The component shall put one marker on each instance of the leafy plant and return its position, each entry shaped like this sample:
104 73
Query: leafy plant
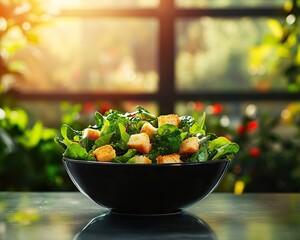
278 55
29 159
269 160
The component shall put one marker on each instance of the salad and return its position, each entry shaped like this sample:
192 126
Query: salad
141 137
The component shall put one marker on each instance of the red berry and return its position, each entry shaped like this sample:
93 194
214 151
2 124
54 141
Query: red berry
254 152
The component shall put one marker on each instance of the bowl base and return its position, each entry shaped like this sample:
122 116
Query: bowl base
117 212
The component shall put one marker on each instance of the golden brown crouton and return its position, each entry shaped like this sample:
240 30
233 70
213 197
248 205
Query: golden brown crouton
168 119
90 133
140 142
149 129
105 153
189 145
171 158
141 159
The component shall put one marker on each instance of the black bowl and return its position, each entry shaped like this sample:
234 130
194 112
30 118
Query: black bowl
176 226
145 188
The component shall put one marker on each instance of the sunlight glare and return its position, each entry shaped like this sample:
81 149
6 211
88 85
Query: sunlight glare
63 4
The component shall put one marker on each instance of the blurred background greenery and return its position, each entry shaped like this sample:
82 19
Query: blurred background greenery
51 54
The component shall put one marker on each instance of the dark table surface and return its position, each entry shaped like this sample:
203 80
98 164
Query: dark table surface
219 216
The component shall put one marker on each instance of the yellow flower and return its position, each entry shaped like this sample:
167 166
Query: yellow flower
239 187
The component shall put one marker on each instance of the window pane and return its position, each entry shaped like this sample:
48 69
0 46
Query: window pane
213 55
228 3
94 55
103 4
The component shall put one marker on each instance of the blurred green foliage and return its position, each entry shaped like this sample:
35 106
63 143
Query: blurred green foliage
269 159
29 160
279 53
17 21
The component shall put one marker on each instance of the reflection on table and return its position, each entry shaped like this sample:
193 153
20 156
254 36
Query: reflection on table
220 216
130 227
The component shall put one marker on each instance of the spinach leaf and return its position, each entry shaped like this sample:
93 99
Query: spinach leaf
99 120
123 137
167 140
154 153
113 131
221 147
226 151
135 126
138 118
200 156
198 128
87 143
186 122
145 114
103 140
218 142
128 155
75 151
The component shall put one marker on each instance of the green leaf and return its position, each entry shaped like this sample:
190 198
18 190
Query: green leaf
99 120
125 158
227 151
68 133
218 142
135 126
123 137
86 143
32 137
153 155
167 140
200 156
75 151
145 114
49 133
103 140
184 135
17 118
198 127
186 122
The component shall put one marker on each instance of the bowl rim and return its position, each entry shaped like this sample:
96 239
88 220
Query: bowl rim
142 164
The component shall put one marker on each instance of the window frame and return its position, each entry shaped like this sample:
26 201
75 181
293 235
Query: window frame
167 96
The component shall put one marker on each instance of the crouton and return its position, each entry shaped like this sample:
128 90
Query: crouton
140 142
189 146
171 158
90 133
105 153
149 129
140 159
168 119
